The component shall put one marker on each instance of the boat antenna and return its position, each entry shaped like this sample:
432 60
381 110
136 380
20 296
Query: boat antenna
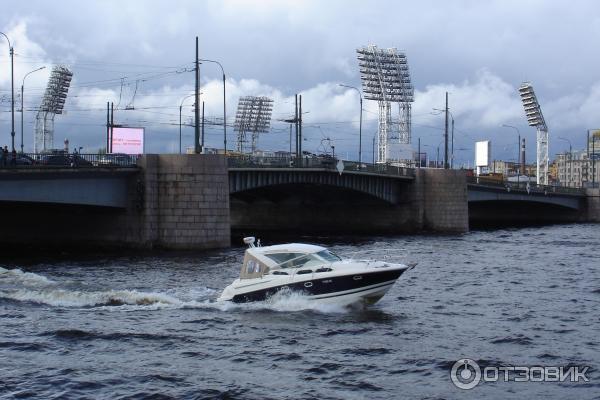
250 241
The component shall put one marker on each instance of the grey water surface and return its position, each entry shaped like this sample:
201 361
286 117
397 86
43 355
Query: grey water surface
147 326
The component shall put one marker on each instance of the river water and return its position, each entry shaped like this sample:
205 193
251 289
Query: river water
146 325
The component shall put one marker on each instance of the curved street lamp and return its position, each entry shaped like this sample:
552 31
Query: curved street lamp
22 93
12 89
224 105
180 107
360 124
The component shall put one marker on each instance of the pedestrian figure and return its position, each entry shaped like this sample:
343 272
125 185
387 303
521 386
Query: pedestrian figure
13 160
5 155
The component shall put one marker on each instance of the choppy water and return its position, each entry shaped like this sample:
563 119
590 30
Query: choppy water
146 326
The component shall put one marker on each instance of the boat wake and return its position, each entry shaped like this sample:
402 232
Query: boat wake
17 276
286 301
75 298
17 285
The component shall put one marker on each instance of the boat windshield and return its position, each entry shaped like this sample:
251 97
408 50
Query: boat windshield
294 260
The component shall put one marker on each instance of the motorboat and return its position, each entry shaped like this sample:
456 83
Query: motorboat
314 271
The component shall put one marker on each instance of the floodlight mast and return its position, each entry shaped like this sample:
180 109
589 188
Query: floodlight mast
253 116
534 115
52 104
385 77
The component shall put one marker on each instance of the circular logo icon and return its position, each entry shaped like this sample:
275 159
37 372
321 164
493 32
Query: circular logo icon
465 374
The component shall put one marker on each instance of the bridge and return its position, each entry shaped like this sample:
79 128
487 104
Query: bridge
379 181
512 203
194 201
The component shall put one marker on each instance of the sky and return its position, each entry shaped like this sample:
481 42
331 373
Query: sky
477 51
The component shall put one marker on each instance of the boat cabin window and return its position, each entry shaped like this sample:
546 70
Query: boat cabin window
328 256
252 268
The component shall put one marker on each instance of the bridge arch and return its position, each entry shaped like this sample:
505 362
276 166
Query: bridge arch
386 188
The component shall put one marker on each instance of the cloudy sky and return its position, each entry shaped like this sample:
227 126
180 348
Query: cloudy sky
478 51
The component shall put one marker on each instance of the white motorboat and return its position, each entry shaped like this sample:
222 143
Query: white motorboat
313 271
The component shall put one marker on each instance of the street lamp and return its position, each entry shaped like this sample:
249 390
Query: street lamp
12 90
180 107
570 159
360 123
224 105
22 93
519 172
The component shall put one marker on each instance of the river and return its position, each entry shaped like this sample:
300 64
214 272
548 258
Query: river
145 325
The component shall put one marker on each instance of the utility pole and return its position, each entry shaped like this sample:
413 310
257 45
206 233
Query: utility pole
419 153
373 149
452 151
296 124
112 122
587 170
202 147
300 128
197 148
594 160
446 136
107 125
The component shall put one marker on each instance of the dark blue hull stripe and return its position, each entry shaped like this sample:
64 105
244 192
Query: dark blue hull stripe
354 291
326 286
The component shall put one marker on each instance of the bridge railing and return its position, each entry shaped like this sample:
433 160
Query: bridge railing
61 159
528 187
328 163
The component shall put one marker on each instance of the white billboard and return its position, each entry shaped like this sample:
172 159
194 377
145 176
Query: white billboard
127 140
483 150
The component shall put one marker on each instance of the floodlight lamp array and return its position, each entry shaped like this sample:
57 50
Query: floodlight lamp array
385 75
533 111
253 114
56 91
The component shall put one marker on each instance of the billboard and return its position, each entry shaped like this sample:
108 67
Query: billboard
127 140
398 151
483 150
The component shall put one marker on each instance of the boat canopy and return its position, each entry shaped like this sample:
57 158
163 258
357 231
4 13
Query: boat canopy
260 260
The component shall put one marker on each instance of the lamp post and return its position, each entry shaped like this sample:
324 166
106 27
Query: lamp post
518 148
224 105
12 90
570 159
22 93
180 107
360 123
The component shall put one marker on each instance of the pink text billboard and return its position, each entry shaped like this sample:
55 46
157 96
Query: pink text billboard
128 140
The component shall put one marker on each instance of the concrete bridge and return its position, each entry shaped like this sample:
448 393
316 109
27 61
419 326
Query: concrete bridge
510 203
196 201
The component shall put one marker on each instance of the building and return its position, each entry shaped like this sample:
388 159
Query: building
579 169
511 168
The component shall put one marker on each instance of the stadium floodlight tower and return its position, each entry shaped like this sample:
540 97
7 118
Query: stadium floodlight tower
385 77
53 103
534 115
253 116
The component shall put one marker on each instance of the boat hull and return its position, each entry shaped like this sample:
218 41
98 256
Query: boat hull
367 288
